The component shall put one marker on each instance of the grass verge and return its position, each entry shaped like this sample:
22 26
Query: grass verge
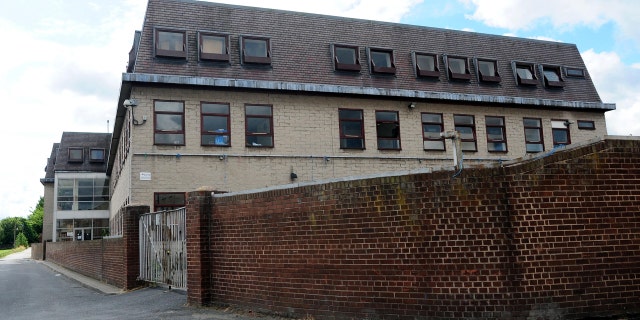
6 252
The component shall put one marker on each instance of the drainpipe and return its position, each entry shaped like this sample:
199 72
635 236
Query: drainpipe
457 148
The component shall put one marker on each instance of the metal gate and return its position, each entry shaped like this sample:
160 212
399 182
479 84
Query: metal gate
163 248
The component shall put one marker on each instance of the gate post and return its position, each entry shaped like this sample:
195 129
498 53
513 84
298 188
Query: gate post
199 264
131 240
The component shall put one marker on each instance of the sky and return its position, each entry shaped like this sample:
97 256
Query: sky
62 61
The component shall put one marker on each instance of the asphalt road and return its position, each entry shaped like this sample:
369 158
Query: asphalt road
31 290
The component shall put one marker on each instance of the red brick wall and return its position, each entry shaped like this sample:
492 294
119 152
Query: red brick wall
552 237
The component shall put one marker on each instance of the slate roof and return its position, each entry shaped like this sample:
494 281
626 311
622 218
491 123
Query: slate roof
49 176
84 140
301 54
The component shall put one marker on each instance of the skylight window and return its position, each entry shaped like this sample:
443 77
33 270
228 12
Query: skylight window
346 58
426 65
458 68
213 46
256 50
170 43
488 70
552 77
381 61
525 74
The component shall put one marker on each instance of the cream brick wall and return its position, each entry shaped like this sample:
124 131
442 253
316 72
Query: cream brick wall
47 219
305 131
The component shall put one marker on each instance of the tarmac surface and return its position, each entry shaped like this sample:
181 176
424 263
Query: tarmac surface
33 289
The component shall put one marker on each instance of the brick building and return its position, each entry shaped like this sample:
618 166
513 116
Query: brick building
240 98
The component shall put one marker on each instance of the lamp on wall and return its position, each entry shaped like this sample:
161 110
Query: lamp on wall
130 104
412 105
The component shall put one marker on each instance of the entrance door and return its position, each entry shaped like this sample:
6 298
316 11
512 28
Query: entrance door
82 234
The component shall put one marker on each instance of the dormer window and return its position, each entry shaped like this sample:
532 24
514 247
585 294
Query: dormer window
458 68
170 43
525 74
487 70
255 50
574 72
213 47
426 65
96 155
552 77
346 58
381 61
76 154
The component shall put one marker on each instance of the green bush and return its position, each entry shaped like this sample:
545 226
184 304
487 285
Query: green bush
21 240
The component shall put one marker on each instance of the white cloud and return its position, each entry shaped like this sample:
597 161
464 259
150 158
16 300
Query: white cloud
616 83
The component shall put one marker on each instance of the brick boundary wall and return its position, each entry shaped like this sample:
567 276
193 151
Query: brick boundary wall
550 238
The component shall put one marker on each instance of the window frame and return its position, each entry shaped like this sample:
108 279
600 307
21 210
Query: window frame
440 124
590 124
205 56
166 207
464 125
255 59
540 133
435 73
523 81
157 132
384 122
339 66
204 133
504 134
455 75
346 137
72 159
164 53
391 69
571 72
256 134
566 129
97 160
552 83
486 78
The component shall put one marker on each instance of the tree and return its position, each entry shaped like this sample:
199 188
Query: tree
21 240
36 216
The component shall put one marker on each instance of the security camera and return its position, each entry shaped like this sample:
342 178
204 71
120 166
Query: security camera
130 103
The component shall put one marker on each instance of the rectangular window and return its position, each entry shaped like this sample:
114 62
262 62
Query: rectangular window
466 126
171 43
76 154
574 72
83 194
533 135
351 129
552 77
214 47
496 134
488 70
381 61
560 132
346 58
458 68
388 130
426 65
525 74
168 200
96 155
586 125
259 125
432 126
168 122
215 124
255 50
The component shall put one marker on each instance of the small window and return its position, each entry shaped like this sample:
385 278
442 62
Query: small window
381 61
215 123
533 135
214 47
168 122
255 50
552 77
488 70
560 132
171 43
388 130
76 154
351 129
96 155
259 125
346 58
586 125
466 127
432 126
458 68
426 65
496 134
525 74
574 72
168 200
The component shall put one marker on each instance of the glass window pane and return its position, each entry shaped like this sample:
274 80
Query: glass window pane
388 144
214 124
345 55
167 138
352 143
425 62
457 65
497 146
170 40
169 122
560 137
351 128
255 47
468 145
487 68
559 124
494 121
531 122
350 114
214 44
551 75
465 132
260 141
97 154
381 59
75 154
386 116
532 135
524 73
431 117
534 147
258 125
495 133
388 130
432 131
463 120
169 106
433 145
215 108
258 110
